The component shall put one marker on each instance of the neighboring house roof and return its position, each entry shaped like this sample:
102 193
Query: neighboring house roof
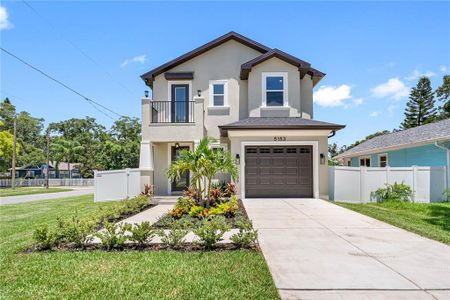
278 123
267 53
63 166
30 167
434 132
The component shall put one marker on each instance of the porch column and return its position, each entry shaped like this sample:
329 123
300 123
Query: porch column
146 164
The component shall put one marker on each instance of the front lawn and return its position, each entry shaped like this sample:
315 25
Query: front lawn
118 275
431 220
29 191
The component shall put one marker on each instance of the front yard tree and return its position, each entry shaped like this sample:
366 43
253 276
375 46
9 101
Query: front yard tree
443 95
420 107
69 151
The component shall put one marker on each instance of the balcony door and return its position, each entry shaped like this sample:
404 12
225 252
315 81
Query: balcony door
180 103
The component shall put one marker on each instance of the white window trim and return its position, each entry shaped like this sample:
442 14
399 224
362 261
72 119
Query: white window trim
172 82
225 93
387 159
365 157
285 88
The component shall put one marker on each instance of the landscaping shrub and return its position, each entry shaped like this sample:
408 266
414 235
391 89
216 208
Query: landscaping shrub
175 236
246 235
142 233
113 235
45 238
199 212
226 208
394 192
211 231
77 231
230 190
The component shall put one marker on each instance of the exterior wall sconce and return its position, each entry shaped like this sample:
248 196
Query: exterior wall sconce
177 145
322 158
199 93
238 159
146 94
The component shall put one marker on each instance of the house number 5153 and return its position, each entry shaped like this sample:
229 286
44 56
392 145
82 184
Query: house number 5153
279 138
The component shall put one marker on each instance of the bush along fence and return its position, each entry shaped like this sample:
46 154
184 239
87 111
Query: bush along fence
358 184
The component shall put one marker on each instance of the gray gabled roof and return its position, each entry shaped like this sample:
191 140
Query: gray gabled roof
266 52
438 131
278 123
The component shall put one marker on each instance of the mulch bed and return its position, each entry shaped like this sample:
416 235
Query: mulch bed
186 247
167 218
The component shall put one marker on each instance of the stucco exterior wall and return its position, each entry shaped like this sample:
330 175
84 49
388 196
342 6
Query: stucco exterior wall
221 63
161 161
322 140
306 97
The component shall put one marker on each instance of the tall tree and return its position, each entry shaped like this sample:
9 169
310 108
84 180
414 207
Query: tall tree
443 95
420 107
68 151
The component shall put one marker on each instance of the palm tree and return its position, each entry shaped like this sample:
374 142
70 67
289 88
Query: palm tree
69 151
203 163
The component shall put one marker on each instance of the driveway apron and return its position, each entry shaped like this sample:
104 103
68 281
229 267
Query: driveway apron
318 250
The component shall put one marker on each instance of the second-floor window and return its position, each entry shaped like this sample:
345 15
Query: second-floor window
218 93
275 89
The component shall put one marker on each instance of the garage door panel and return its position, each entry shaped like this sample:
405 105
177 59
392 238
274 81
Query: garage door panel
278 171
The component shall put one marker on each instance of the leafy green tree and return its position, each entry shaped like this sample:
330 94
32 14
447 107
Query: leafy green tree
6 148
127 134
370 136
443 95
68 151
420 107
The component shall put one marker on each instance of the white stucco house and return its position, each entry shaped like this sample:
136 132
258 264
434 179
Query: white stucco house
256 101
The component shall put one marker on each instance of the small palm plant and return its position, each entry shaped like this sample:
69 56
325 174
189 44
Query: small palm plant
204 164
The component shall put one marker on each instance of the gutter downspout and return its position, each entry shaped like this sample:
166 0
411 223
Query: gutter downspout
448 162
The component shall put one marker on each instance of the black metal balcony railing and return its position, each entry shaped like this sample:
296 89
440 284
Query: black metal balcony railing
172 111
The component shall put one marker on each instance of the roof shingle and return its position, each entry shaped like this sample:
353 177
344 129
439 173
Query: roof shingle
429 132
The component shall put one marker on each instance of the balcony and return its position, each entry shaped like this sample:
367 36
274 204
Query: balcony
172 111
172 121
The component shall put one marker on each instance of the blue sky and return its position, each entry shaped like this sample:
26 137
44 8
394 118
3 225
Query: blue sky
372 52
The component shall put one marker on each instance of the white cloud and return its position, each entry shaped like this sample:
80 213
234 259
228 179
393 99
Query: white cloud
391 108
416 74
358 101
393 88
374 114
4 21
137 59
331 96
444 69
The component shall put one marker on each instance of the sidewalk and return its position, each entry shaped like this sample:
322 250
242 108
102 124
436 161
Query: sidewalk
77 191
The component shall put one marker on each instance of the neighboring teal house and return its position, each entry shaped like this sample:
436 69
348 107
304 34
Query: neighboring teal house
426 145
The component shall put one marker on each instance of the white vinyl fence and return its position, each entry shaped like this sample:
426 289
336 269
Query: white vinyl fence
51 182
356 184
116 184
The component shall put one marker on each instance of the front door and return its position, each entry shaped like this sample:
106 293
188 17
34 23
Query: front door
180 103
183 182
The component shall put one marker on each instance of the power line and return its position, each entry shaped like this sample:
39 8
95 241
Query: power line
90 101
79 49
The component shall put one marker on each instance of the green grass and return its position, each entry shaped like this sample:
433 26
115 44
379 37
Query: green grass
118 275
431 220
29 191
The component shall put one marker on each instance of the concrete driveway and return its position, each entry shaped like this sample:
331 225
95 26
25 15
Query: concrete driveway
317 250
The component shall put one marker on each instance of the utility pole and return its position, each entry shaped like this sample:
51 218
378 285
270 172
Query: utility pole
48 162
13 169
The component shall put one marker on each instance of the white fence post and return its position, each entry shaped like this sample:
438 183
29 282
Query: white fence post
362 182
415 186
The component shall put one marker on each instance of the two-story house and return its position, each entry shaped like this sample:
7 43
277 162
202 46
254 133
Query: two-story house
255 100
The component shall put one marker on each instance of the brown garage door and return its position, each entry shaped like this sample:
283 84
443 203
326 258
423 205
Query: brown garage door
274 171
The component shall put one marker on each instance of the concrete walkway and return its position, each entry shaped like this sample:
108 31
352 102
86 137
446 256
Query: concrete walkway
317 250
77 191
